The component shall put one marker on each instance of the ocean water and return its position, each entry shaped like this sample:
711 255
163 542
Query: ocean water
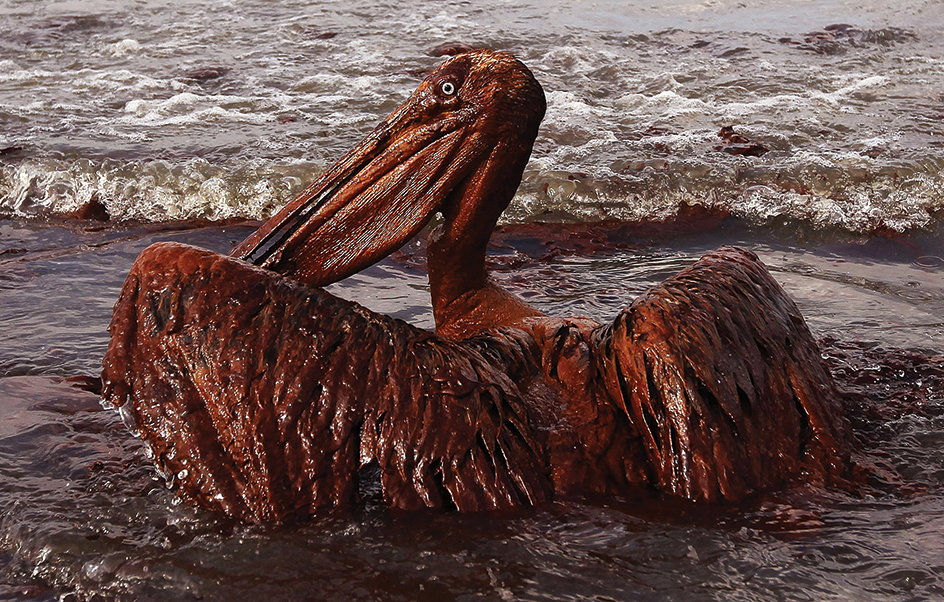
122 124
222 110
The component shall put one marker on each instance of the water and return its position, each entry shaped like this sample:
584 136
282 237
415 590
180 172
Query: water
223 110
196 111
85 514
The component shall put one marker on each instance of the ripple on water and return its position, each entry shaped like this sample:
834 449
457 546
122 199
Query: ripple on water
84 511
632 128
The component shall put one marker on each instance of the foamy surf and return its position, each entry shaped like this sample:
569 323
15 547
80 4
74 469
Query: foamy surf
160 118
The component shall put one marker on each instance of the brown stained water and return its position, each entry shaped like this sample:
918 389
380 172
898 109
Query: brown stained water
155 114
86 516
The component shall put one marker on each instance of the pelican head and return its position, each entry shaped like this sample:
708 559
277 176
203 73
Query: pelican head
457 146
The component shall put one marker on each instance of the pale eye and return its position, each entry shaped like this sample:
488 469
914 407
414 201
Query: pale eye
448 88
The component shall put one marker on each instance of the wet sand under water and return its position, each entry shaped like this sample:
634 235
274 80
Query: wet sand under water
83 512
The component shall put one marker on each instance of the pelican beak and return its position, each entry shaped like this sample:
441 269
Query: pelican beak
382 192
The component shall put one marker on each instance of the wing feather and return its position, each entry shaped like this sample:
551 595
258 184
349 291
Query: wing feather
723 382
264 398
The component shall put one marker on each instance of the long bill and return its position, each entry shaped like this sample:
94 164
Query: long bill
371 202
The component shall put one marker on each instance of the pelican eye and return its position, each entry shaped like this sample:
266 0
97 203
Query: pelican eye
448 88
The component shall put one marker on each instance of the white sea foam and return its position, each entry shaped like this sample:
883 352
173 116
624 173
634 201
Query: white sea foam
124 80
871 81
631 130
153 190
848 191
665 104
123 47
187 108
26 75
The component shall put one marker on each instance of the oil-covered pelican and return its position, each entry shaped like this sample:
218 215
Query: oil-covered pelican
265 396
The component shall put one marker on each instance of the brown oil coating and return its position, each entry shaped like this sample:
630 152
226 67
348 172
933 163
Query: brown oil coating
265 395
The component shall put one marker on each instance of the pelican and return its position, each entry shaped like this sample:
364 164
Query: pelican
266 397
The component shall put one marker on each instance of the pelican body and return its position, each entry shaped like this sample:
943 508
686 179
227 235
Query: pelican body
266 396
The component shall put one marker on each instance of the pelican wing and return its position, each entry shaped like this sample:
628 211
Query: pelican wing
264 398
722 382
